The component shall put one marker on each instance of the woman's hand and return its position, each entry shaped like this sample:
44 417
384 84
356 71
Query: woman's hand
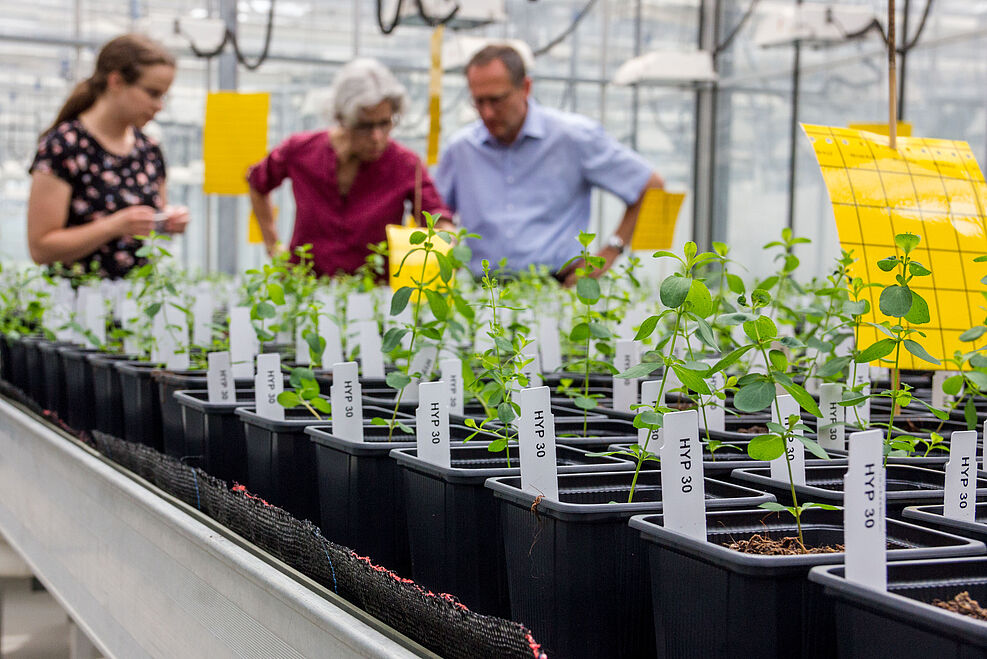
133 221
176 220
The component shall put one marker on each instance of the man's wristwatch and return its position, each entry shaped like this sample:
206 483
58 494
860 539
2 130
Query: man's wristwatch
617 243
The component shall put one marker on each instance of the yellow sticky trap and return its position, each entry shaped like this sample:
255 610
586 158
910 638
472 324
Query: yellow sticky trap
904 128
254 235
656 220
435 97
234 137
398 245
931 188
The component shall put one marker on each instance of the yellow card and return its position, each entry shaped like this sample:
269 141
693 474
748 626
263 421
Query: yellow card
234 137
398 245
435 97
904 128
932 188
656 221
254 236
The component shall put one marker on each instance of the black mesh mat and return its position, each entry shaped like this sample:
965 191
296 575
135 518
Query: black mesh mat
437 621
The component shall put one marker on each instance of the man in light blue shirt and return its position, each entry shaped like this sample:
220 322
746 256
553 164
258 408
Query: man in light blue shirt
521 177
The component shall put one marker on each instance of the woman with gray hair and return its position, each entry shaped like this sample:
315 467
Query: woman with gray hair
350 181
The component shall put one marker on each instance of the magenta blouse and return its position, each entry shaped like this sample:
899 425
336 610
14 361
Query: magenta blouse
338 227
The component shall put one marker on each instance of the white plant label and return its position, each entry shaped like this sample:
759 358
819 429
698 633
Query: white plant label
219 378
795 449
371 357
536 443
243 342
346 395
302 356
549 344
859 374
683 491
533 369
177 323
878 373
432 428
333 352
451 372
268 383
713 415
649 396
95 315
939 397
202 311
833 437
423 362
960 496
626 355
128 317
864 529
359 306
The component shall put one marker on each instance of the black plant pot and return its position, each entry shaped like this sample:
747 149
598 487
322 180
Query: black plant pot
53 376
901 623
80 408
723 461
141 403
7 360
904 485
932 517
577 574
107 392
214 431
451 516
33 375
281 461
361 501
764 605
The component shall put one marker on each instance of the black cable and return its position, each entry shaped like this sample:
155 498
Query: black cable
918 33
565 33
431 21
251 66
387 29
743 19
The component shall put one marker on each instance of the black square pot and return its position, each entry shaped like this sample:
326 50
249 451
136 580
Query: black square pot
577 574
932 517
904 485
901 623
80 410
214 431
141 403
33 375
53 376
712 601
107 392
454 521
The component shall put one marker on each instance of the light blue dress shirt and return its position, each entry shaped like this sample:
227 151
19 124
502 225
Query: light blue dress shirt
530 199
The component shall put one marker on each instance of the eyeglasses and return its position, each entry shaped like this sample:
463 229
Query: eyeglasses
368 127
492 101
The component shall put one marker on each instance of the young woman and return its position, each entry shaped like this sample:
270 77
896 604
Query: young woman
349 182
97 181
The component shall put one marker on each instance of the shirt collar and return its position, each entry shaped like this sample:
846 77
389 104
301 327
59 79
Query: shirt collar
534 126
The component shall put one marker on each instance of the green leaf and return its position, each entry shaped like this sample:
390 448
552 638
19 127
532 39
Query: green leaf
916 269
896 301
289 399
691 379
812 446
735 284
400 299
579 333
316 344
674 290
919 313
648 418
821 506
505 413
299 376
802 397
321 404
705 333
857 307
700 299
916 349
778 360
973 333
445 267
417 238
397 380
907 241
497 445
754 397
882 348
766 447
437 303
153 309
584 403
265 310
833 367
276 292
777 507
888 264
766 327
392 338
647 328
970 414
599 331
952 384
978 378
588 290
978 361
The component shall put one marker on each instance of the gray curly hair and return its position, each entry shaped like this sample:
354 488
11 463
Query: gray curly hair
364 83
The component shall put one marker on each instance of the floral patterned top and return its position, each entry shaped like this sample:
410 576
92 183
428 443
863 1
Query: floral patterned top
103 183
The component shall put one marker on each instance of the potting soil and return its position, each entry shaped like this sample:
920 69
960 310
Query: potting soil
964 605
437 621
